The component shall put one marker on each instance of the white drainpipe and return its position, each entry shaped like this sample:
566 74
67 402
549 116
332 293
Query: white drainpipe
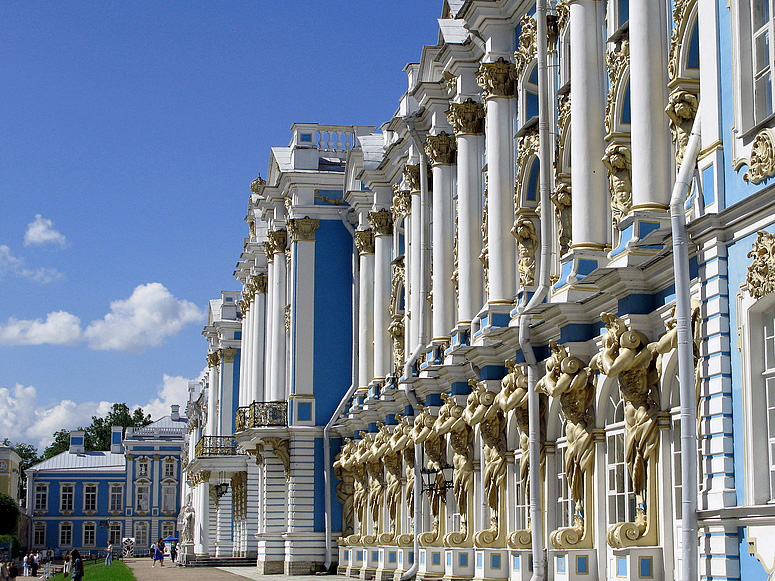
327 466
686 379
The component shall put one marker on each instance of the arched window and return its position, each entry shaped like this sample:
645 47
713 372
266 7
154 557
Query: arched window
621 499
565 506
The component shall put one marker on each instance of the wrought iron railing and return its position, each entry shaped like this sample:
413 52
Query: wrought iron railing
261 414
216 446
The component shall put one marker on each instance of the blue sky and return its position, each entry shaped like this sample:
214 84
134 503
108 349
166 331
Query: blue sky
129 135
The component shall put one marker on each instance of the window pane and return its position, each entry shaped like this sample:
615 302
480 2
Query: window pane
761 46
760 12
763 96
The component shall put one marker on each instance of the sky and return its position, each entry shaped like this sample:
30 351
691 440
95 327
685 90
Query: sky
129 135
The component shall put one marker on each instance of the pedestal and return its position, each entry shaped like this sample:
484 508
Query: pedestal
186 551
491 564
344 560
370 563
405 561
458 564
491 320
354 558
388 563
636 563
573 564
520 565
431 563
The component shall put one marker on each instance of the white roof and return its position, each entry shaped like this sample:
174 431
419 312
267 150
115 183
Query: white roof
85 461
453 31
282 156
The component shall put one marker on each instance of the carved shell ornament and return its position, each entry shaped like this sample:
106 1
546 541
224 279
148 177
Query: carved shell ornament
761 272
761 163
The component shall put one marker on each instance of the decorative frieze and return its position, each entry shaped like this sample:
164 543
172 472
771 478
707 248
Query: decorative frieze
498 79
364 241
466 118
761 272
302 229
526 50
761 162
681 110
381 222
441 149
618 160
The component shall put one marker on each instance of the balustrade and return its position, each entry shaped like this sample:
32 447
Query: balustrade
262 414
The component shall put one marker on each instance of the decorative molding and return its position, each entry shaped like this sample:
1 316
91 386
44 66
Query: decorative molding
256 186
484 255
617 59
466 118
396 326
681 110
213 359
618 160
364 241
561 198
381 222
527 147
498 79
760 279
563 13
332 201
268 251
761 162
563 126
302 229
402 202
527 243
278 240
281 450
441 149
681 11
527 48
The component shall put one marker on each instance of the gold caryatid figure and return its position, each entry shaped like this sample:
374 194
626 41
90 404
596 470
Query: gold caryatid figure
568 379
435 451
345 488
626 356
374 468
461 437
398 448
352 463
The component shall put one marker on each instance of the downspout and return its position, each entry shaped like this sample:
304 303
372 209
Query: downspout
327 466
686 379
545 176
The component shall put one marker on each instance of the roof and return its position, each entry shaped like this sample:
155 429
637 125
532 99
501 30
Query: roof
166 422
282 156
86 461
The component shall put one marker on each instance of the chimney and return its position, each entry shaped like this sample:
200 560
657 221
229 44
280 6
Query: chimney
77 445
175 415
116 440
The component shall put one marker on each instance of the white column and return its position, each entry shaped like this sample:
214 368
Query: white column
364 240
213 390
382 225
278 347
587 105
269 323
227 411
651 142
244 366
202 531
257 339
467 119
413 274
497 80
441 154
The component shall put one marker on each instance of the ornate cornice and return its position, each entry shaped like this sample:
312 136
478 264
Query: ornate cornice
402 202
381 222
761 272
526 51
278 240
213 359
498 79
441 149
364 241
302 229
466 118
761 162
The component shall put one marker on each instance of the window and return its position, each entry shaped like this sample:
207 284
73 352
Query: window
90 497
141 535
39 534
41 497
89 534
167 529
762 57
168 498
621 499
116 498
115 533
66 534
520 498
769 381
67 492
142 469
565 506
143 497
169 469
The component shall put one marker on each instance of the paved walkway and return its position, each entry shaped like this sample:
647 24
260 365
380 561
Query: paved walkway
143 571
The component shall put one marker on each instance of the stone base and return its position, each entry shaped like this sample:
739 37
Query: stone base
302 567
491 321
431 563
458 564
388 563
491 564
405 561
270 567
354 558
636 563
370 563
520 564
573 564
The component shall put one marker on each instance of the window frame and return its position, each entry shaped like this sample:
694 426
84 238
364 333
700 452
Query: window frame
115 531
116 491
615 432
168 490
145 487
66 496
89 528
64 526
41 490
39 527
90 497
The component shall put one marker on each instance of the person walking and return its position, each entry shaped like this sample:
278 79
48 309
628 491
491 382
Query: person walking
13 571
173 551
109 556
76 566
34 562
26 565
158 553
66 564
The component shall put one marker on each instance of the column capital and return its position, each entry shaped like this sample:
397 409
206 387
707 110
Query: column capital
213 359
466 118
381 222
441 149
498 79
402 202
278 240
364 241
302 229
228 354
259 284
268 251
412 176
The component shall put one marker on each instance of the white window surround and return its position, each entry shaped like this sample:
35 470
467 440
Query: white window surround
66 496
115 533
89 534
41 496
141 535
39 534
90 497
143 496
143 468
65 534
116 498
169 469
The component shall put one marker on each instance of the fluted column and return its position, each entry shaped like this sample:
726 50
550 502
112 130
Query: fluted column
226 411
278 360
214 386
587 105
651 142
441 151
382 225
467 120
413 274
257 342
245 375
498 82
364 240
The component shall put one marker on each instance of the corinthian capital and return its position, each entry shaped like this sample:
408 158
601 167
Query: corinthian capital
412 176
364 241
441 149
381 222
277 241
259 284
466 118
302 228
213 359
498 79
402 202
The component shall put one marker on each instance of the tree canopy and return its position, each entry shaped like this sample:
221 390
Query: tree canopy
9 515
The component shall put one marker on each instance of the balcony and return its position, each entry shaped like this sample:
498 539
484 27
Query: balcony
216 446
262 414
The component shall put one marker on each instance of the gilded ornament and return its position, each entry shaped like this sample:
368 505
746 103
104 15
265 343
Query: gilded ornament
213 359
681 110
364 241
228 354
527 147
498 79
402 202
287 318
412 176
381 222
563 13
561 198
302 229
618 160
281 451
526 50
269 251
252 228
277 241
259 284
681 11
441 149
396 327
760 279
332 201
761 163
435 447
484 255
617 59
563 124
527 243
345 487
466 118
257 184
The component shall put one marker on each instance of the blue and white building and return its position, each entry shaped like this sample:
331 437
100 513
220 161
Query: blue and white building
80 500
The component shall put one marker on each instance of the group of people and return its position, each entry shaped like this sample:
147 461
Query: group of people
157 551
73 567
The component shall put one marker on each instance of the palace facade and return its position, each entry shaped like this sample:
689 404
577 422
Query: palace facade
525 329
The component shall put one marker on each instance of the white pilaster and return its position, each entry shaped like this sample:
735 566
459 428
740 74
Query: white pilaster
227 411
277 391
212 397
364 239
202 529
382 225
257 341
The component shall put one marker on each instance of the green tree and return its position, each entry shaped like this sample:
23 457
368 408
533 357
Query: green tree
29 457
9 515
60 444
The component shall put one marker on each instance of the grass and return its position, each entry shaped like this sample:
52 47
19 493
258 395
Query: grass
118 571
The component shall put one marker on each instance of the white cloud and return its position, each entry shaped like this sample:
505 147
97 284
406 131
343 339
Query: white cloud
59 328
41 231
143 320
172 391
14 266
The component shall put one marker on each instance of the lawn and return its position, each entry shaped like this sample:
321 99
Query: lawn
99 572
